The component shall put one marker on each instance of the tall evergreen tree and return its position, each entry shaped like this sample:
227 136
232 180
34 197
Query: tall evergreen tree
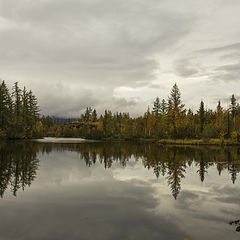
33 107
17 101
5 107
233 105
219 108
233 110
202 117
175 109
94 115
163 107
157 107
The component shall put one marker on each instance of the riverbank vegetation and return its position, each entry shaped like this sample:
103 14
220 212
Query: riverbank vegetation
167 121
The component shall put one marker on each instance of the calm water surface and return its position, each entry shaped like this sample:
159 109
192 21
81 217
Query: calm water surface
104 191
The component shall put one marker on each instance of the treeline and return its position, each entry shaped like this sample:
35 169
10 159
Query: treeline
19 113
167 119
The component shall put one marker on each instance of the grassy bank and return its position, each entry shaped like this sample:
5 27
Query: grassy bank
220 142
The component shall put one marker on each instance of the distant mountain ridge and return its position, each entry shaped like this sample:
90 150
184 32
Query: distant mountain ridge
64 119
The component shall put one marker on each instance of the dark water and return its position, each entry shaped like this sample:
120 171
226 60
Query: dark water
118 191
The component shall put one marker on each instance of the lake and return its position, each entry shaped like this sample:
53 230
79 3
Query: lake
100 190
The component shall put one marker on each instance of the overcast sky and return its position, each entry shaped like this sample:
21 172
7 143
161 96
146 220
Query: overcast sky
120 54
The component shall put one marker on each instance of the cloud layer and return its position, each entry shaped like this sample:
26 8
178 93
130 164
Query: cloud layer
119 54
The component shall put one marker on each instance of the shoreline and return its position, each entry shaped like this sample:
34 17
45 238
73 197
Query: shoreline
198 142
177 142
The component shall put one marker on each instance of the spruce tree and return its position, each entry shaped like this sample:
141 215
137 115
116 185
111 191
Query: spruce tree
175 109
17 102
163 107
94 115
33 107
219 108
233 106
5 107
201 114
233 109
17 129
25 109
157 107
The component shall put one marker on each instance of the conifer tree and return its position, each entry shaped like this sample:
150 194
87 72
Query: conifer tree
233 106
175 109
17 102
5 107
201 113
157 107
163 107
219 108
33 107
233 109
94 115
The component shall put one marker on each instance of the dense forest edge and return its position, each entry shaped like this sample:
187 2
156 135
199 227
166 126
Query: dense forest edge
166 122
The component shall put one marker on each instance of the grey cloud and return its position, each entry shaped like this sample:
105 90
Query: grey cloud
185 68
156 86
101 45
234 56
231 67
227 73
109 34
230 47
122 102
107 43
67 105
228 67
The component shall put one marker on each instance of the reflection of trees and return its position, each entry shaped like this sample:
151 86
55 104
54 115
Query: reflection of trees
232 166
203 166
18 161
170 161
18 165
176 169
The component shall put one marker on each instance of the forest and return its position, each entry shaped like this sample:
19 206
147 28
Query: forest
19 113
166 119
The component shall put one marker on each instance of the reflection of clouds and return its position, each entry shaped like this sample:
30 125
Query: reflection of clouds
228 195
189 200
133 171
63 168
94 210
204 209
70 200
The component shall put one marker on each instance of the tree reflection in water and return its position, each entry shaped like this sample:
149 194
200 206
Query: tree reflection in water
18 165
19 162
170 162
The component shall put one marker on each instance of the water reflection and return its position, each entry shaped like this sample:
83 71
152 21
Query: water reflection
118 191
19 163
170 162
18 166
